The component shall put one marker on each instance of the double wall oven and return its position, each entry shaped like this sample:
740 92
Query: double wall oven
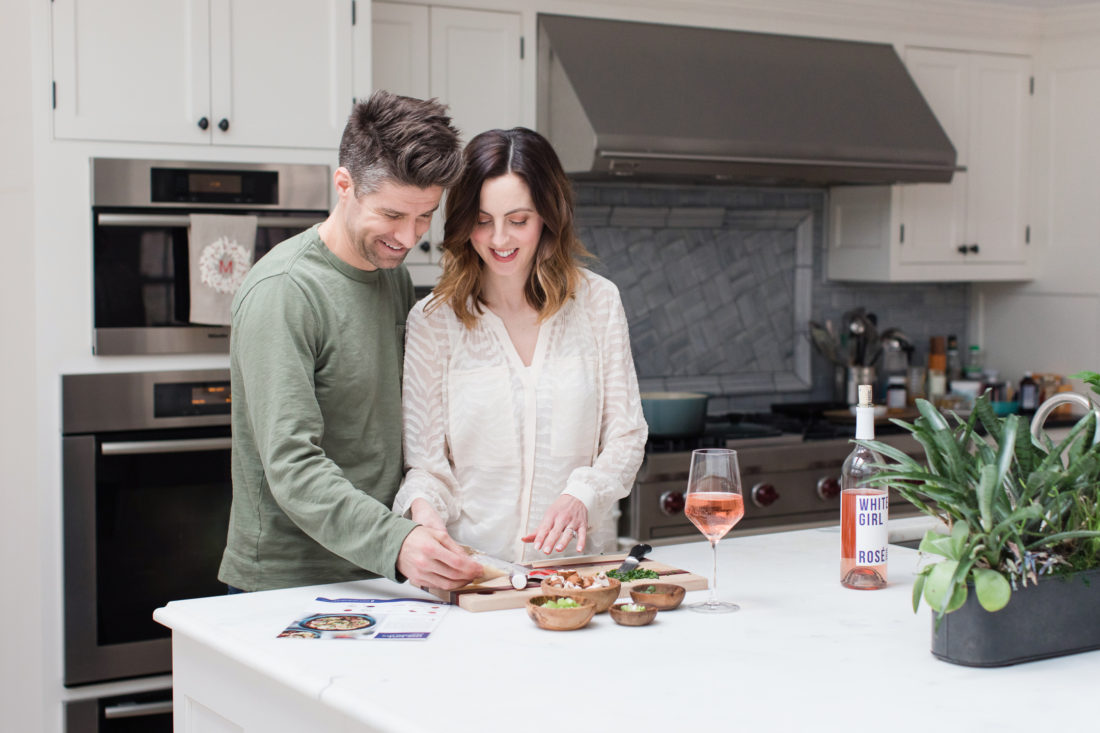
146 496
140 217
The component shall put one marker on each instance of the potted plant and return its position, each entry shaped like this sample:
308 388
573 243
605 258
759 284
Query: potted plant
1018 574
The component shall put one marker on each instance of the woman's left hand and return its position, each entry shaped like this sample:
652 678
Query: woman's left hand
566 518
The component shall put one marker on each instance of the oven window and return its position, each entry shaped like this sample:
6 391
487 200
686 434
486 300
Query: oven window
161 521
142 273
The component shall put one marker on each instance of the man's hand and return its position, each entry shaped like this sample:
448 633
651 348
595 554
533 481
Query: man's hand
424 513
566 518
429 558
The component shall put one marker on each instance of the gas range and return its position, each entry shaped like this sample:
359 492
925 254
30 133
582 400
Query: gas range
790 462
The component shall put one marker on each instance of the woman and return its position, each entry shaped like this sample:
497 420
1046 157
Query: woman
522 417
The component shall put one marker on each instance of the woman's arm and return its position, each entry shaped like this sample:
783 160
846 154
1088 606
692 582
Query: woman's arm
429 491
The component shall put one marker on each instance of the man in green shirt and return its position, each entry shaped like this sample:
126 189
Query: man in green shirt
315 364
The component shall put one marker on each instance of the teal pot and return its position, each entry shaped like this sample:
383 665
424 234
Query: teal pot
1058 616
675 414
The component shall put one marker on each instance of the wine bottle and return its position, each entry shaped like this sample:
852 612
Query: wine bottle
864 508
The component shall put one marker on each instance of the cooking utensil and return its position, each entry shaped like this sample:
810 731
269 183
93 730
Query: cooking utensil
675 414
825 343
637 554
517 574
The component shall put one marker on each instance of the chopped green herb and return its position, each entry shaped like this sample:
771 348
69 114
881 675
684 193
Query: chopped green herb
648 589
635 574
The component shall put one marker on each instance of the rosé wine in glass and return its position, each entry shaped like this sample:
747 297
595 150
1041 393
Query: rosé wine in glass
714 504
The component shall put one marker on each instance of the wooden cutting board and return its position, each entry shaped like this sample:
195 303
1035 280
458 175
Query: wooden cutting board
499 594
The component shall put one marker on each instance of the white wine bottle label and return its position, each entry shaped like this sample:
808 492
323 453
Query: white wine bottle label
872 536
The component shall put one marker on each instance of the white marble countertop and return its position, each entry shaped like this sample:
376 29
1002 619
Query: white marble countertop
803 653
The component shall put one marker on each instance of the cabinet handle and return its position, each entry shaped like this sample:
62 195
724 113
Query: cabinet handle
973 249
425 246
203 123
962 249
223 124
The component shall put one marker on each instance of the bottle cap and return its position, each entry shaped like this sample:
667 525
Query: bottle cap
865 395
937 345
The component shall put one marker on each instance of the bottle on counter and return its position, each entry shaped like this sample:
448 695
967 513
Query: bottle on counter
896 394
954 361
1028 395
863 508
974 363
937 370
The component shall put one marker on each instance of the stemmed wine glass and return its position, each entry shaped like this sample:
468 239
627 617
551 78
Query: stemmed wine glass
714 505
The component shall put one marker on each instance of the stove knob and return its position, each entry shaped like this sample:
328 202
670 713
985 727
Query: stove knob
764 495
828 488
672 502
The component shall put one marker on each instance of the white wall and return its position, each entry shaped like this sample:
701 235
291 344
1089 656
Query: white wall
21 664
1053 323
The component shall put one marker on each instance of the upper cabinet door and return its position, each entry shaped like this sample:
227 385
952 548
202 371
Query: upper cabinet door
475 67
934 213
131 70
997 211
280 72
399 50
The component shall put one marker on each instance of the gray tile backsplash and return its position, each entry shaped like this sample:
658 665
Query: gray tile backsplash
719 282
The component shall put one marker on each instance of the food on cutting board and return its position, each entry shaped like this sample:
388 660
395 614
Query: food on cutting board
572 580
635 574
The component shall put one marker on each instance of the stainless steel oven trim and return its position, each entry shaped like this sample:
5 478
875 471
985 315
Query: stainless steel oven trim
105 402
154 340
127 182
137 709
138 447
183 220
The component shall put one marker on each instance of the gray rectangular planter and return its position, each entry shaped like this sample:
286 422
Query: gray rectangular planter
1060 615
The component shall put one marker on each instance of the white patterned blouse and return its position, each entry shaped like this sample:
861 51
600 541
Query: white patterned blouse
490 443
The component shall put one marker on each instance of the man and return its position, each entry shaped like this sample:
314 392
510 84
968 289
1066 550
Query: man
315 362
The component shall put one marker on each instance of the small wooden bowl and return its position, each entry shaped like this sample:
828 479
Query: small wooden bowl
603 597
633 618
665 596
560 619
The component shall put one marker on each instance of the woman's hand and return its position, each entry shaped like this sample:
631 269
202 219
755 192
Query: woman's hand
424 513
566 518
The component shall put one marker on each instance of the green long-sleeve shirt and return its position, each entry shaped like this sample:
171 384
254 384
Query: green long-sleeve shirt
315 362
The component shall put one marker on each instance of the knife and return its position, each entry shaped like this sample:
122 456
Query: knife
637 554
516 573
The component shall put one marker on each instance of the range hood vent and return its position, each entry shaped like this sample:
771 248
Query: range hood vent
648 101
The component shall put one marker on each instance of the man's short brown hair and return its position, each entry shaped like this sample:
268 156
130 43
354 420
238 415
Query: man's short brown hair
401 139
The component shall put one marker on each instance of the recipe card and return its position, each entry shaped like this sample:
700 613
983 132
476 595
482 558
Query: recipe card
367 618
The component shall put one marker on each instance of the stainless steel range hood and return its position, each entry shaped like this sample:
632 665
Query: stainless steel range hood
651 101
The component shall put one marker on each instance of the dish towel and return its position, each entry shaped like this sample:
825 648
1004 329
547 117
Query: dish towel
221 249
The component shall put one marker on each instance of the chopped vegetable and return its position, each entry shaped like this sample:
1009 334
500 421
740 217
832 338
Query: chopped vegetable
561 603
648 589
632 607
635 574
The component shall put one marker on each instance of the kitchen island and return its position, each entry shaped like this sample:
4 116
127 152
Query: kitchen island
803 653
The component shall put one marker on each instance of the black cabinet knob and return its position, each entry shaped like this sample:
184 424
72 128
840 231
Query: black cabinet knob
223 124
973 249
203 123
425 246
962 249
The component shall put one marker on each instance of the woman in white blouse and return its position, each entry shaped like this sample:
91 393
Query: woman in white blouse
522 422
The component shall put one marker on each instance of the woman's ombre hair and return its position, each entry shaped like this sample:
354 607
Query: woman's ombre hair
555 269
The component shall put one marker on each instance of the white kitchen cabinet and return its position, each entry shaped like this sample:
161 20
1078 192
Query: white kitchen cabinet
974 228
263 73
468 59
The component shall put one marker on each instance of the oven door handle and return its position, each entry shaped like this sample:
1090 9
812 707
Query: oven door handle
135 447
137 709
177 220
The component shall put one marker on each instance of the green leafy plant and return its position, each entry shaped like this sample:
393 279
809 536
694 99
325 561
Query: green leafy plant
1015 509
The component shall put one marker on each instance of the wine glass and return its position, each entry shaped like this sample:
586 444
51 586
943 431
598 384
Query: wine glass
714 505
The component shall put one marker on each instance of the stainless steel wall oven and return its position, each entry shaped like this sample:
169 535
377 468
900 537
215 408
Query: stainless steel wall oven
146 495
140 219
